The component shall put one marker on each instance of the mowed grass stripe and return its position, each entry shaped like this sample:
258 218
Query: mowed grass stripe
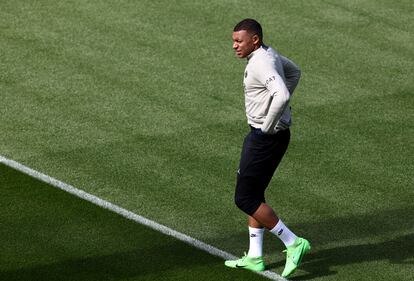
34 194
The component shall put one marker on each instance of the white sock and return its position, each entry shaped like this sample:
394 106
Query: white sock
256 242
284 233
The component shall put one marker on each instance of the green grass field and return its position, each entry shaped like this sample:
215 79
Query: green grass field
52 235
140 103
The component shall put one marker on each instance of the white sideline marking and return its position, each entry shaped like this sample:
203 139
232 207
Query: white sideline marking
129 215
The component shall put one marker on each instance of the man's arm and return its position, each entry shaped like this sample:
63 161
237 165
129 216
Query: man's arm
292 73
280 99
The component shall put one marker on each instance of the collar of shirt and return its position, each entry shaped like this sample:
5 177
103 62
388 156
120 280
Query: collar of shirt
254 52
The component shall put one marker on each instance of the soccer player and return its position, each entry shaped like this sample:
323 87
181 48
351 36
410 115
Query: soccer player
269 82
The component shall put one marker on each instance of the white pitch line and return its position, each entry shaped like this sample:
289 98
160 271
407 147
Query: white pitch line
129 215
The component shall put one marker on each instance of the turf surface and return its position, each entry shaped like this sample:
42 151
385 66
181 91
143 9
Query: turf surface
48 234
141 103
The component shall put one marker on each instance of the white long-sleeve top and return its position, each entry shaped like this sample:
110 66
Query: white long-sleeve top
269 82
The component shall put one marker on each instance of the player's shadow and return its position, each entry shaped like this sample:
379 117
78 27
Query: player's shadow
334 241
399 250
393 223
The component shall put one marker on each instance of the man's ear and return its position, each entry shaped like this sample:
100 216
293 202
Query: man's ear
256 39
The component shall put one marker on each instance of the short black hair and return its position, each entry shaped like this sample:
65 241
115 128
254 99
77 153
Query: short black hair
251 26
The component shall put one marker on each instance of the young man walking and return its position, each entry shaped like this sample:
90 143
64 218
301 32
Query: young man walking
269 82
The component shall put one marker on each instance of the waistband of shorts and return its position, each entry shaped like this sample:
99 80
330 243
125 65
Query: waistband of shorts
257 131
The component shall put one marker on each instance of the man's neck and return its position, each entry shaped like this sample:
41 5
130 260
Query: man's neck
249 56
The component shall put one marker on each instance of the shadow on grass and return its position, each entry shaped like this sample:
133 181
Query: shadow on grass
48 234
174 261
399 249
162 261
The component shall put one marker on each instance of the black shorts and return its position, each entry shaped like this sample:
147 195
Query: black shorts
261 154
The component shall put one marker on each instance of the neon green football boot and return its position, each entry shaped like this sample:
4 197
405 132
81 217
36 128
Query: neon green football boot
254 264
294 255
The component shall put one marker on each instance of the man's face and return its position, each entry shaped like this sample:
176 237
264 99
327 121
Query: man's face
244 43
